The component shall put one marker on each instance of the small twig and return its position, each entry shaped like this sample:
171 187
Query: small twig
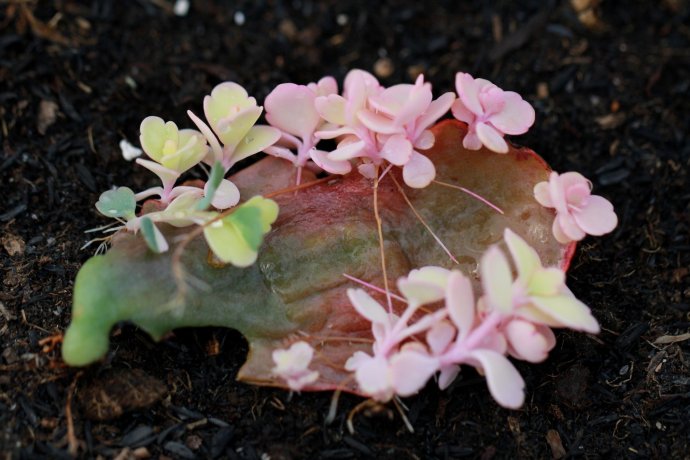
333 408
299 187
72 441
336 338
385 171
26 321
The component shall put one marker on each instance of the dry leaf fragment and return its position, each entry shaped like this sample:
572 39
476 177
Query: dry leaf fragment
13 244
666 339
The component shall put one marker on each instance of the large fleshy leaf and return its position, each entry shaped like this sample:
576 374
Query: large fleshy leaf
296 290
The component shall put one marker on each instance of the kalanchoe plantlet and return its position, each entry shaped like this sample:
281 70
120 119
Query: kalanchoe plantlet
173 152
489 112
291 108
292 365
578 212
383 126
512 317
234 238
232 114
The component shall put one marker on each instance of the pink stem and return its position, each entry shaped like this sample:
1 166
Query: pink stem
299 177
458 352
385 171
393 337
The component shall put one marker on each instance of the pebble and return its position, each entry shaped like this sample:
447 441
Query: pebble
179 450
47 114
220 441
383 67
181 7
137 435
614 177
239 18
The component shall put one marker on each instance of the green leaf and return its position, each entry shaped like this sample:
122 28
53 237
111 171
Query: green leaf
228 244
214 179
247 221
236 238
119 202
152 236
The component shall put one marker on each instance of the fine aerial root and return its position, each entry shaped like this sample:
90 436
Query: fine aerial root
364 405
381 290
379 228
333 408
472 194
374 288
401 410
421 219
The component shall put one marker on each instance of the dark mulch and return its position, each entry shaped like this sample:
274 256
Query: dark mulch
612 101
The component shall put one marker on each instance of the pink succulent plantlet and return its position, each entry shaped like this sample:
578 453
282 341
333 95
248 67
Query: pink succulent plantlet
384 373
490 113
514 317
477 345
439 338
538 294
291 108
578 212
340 112
379 124
373 375
411 368
292 365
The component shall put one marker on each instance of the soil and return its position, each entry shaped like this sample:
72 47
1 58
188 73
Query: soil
609 83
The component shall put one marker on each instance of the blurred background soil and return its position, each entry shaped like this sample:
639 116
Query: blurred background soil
609 81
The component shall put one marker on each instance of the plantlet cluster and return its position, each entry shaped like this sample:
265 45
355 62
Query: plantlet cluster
438 319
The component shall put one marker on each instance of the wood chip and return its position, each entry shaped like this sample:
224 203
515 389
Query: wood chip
555 443
383 68
611 121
